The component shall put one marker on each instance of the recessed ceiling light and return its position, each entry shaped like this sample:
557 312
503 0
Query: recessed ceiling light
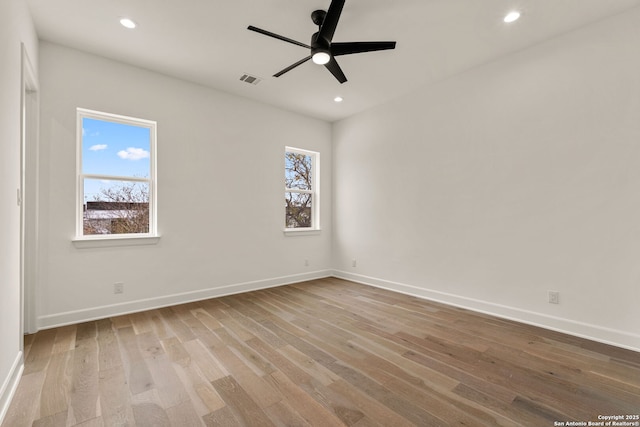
512 16
338 99
127 23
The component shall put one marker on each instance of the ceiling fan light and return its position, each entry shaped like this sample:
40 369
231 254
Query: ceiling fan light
321 58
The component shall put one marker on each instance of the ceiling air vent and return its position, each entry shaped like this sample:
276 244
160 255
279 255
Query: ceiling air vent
248 78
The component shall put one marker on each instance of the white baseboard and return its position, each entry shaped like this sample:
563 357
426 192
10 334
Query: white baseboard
101 312
10 385
592 332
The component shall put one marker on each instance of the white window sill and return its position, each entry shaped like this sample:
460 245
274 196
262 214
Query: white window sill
301 231
111 241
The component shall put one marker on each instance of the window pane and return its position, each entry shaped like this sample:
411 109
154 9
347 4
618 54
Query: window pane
115 207
297 171
115 149
298 210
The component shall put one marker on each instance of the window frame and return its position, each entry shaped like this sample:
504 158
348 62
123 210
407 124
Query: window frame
314 192
85 240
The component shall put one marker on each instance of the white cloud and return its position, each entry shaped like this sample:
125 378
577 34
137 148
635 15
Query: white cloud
98 147
85 133
133 154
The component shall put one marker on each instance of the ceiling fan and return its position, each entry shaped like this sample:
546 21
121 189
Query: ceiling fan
323 49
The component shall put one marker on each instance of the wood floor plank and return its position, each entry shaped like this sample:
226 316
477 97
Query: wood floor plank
305 405
184 414
65 339
221 417
380 414
57 385
412 412
148 411
94 422
439 400
283 364
251 358
283 318
566 376
216 308
25 407
85 395
193 323
202 394
616 384
253 323
115 398
208 365
283 415
253 384
303 346
86 331
121 321
141 322
160 327
176 325
148 414
244 408
518 414
108 349
339 404
322 353
391 361
150 345
175 350
169 386
55 420
199 330
40 351
307 383
206 319
235 328
138 375
310 366
28 341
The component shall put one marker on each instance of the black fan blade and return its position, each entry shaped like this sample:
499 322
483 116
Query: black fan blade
359 47
292 66
277 36
335 69
330 23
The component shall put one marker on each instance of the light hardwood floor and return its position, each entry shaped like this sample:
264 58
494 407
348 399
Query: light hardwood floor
321 353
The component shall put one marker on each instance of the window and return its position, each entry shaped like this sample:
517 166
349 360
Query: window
116 189
301 189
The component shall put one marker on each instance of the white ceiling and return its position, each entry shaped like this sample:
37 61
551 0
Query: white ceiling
206 41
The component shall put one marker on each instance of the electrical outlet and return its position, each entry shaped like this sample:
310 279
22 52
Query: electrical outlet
118 288
306 263
554 297
354 263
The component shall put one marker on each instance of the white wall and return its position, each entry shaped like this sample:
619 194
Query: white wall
220 192
502 183
16 27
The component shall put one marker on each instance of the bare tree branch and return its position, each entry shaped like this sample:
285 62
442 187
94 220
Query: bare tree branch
118 209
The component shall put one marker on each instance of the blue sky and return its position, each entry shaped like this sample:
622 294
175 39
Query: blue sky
115 149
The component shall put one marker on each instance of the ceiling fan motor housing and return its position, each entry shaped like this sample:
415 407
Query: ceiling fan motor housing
319 44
